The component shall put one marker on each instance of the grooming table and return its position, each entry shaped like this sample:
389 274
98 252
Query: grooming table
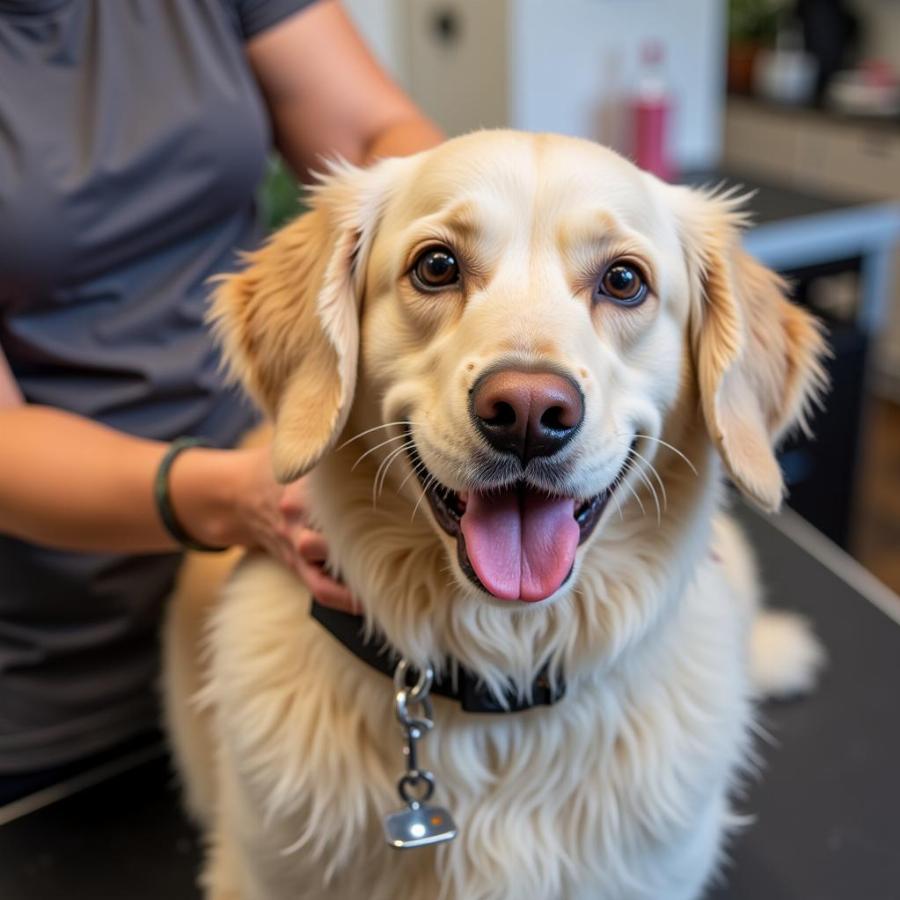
826 822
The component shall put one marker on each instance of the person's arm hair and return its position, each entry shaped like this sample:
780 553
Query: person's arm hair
328 96
71 483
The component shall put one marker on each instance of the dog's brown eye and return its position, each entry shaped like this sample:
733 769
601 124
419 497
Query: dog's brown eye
435 268
623 283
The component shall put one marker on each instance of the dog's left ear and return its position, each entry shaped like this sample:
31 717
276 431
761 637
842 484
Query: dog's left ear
757 357
289 321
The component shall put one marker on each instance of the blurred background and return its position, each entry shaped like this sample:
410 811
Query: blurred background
798 100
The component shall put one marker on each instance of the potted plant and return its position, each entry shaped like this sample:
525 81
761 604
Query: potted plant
752 25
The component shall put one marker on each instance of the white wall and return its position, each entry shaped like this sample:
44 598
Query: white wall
462 81
575 63
555 65
377 21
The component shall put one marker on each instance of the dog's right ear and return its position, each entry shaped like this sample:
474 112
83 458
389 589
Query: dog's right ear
289 322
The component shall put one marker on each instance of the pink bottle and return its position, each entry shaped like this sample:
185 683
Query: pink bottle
651 114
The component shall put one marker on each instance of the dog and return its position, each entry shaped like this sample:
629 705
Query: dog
518 369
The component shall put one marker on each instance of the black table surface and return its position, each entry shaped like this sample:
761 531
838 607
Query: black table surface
770 201
826 808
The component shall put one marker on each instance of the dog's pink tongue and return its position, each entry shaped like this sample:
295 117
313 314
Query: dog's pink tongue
521 544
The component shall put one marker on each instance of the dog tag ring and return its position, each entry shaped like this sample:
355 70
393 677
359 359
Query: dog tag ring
420 823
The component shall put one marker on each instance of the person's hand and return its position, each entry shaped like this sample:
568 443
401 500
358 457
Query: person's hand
276 519
261 513
311 550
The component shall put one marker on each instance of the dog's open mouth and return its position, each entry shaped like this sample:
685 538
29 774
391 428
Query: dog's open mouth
515 542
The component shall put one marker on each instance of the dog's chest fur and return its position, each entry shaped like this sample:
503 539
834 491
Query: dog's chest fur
618 791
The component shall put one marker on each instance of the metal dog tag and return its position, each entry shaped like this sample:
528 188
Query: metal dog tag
418 826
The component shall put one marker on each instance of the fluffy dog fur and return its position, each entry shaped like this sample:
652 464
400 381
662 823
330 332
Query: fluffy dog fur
621 789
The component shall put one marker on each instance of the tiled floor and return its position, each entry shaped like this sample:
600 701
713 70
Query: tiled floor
877 533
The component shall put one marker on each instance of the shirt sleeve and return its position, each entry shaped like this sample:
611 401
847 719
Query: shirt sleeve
255 16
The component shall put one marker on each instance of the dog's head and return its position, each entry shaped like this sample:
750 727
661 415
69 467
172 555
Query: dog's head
527 320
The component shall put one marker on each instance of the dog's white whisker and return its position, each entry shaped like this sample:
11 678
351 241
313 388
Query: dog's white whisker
668 446
295 847
614 490
430 482
650 486
634 494
371 450
662 486
418 468
362 434
422 494
389 460
656 475
381 465
382 471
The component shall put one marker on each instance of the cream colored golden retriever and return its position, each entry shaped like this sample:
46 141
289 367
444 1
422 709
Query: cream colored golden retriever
519 366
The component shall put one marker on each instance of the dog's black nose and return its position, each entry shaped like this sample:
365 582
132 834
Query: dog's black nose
527 414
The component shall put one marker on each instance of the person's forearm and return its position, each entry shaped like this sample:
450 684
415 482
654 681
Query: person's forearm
10 395
329 97
404 138
68 482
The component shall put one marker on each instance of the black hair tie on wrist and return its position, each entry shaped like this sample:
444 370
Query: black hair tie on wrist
164 500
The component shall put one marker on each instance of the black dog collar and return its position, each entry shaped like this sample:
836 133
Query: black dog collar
466 688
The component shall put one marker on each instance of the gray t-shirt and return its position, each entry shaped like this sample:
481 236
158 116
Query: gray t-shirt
132 142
